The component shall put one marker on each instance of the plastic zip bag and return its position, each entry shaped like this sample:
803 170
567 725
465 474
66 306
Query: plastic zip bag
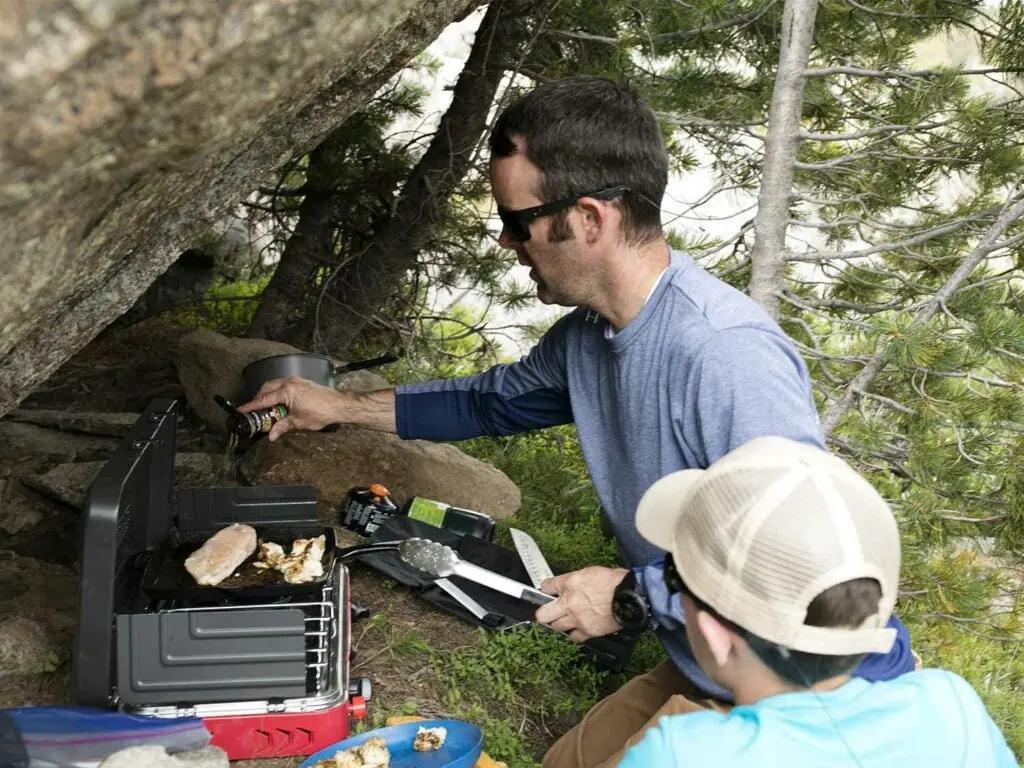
81 737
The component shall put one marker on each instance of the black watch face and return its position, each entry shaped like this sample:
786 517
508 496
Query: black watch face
629 610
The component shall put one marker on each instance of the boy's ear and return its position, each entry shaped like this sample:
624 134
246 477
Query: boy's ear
718 638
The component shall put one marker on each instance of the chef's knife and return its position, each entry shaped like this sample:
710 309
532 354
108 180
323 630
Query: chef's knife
531 556
441 561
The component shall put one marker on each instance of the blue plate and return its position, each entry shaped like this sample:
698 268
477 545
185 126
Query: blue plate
461 749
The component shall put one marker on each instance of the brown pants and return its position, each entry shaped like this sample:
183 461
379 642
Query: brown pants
620 720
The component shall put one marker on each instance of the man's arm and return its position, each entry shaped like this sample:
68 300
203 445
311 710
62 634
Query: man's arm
529 394
313 406
516 397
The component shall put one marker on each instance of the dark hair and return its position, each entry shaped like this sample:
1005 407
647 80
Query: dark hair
590 133
844 605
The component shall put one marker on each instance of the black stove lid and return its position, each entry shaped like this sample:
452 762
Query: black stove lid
127 513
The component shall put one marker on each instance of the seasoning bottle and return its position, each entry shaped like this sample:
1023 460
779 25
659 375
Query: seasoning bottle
366 509
250 424
464 522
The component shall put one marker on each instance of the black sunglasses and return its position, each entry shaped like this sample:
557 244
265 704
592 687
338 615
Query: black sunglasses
517 223
673 580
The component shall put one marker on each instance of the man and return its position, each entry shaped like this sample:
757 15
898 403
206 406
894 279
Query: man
787 565
662 367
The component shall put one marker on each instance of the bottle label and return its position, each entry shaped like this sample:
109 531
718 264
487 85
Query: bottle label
427 511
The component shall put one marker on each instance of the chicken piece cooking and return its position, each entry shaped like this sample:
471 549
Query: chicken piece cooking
303 565
221 554
429 739
270 555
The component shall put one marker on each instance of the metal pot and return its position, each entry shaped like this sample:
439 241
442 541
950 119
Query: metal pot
318 368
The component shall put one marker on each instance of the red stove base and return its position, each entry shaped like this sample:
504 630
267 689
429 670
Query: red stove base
252 737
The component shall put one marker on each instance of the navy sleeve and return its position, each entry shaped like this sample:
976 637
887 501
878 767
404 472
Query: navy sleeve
529 394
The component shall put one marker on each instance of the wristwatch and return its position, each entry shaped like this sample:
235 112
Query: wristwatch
629 606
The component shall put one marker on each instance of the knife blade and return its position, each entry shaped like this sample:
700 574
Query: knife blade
482 614
533 560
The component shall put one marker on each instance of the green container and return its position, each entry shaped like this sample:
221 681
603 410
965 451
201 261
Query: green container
464 522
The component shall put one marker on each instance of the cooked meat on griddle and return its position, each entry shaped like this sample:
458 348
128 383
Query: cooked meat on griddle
221 554
270 555
303 565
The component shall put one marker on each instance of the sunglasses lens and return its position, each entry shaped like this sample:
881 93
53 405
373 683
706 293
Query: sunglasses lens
515 227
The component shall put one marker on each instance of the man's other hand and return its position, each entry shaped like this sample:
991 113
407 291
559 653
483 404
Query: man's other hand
311 406
584 604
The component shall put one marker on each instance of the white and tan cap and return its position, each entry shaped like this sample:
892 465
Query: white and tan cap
766 529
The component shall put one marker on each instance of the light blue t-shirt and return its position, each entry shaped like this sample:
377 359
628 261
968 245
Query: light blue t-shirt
927 719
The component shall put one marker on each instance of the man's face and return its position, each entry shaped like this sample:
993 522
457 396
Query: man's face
558 268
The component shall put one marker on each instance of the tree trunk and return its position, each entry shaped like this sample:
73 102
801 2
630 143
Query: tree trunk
309 246
988 243
768 257
371 278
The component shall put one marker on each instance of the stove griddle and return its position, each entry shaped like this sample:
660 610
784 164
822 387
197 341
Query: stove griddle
166 578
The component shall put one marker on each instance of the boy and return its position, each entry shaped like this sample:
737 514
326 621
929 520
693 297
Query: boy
787 564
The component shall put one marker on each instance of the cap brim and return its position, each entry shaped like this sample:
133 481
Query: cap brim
662 505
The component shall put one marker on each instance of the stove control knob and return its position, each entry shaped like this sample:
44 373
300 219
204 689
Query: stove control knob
360 686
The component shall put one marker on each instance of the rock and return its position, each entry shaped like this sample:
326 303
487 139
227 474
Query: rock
86 422
26 648
29 441
157 757
211 364
361 381
69 483
334 462
128 128
17 515
45 592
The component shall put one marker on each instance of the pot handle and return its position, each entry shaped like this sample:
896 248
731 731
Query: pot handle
361 365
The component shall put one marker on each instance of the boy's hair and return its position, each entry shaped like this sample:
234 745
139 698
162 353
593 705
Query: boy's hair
586 134
847 604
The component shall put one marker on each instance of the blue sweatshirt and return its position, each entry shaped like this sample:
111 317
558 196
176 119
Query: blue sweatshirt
699 371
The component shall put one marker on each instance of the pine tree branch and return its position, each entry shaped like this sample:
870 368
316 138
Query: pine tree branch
768 256
920 74
1012 210
739 21
920 237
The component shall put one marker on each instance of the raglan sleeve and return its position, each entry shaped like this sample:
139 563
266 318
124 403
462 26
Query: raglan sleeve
749 382
531 393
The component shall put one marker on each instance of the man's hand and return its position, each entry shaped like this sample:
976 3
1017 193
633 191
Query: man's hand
584 606
311 406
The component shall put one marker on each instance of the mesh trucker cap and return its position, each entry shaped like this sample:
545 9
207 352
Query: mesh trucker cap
766 529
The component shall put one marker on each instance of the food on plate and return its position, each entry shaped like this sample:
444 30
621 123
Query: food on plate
346 759
304 564
428 739
372 753
221 554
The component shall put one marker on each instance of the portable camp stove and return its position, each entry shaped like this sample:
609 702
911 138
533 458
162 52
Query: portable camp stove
265 664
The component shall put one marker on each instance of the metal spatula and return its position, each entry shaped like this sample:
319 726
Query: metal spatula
441 561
